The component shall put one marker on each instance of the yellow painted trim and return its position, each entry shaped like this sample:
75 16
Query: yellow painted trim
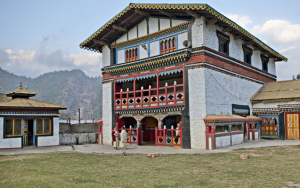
13 130
50 126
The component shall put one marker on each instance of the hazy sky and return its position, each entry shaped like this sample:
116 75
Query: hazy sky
42 36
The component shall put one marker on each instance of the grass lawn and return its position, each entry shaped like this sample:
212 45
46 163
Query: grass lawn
266 167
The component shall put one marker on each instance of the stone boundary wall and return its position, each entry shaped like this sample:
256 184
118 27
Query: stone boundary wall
77 138
78 128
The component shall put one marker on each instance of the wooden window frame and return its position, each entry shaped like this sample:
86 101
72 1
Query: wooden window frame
223 39
264 60
226 127
247 54
232 129
13 129
131 54
50 126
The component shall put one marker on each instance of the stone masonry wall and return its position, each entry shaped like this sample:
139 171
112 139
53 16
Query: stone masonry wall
197 107
78 128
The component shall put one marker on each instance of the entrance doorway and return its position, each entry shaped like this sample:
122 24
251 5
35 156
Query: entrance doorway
30 133
148 127
127 122
292 127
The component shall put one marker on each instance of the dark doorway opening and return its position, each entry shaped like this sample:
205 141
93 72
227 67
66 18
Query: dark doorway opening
148 126
30 132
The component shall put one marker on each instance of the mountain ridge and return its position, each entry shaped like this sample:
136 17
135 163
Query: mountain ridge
69 88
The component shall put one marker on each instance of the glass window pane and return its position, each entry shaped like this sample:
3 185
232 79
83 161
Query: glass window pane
39 126
46 126
17 130
8 127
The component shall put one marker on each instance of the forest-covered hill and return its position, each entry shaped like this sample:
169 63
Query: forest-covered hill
70 88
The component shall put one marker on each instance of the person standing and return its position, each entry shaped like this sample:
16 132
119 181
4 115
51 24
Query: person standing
117 136
113 137
123 138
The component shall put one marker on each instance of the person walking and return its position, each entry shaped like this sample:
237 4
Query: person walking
123 138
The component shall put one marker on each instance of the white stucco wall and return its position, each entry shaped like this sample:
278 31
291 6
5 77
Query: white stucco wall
222 142
122 38
177 22
121 56
143 52
142 28
256 135
154 48
50 140
105 56
237 139
107 113
132 34
8 142
164 23
153 25
271 66
197 108
197 33
222 90
206 35
182 37
256 59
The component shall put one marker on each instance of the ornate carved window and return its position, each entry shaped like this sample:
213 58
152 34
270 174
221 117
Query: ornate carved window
247 54
223 43
131 54
269 126
168 45
265 62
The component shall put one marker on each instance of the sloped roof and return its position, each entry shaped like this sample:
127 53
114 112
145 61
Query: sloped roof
128 18
8 102
21 92
278 90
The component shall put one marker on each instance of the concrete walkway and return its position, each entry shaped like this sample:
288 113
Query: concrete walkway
94 148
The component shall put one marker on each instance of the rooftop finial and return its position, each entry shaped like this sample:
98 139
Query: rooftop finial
20 85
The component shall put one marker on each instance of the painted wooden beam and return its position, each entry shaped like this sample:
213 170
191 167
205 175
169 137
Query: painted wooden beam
227 29
256 48
99 42
120 28
249 43
239 37
192 13
212 21
167 14
142 12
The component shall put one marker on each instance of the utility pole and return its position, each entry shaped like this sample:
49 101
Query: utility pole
79 115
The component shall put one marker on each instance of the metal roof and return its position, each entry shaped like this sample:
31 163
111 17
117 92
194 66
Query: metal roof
8 102
278 90
128 18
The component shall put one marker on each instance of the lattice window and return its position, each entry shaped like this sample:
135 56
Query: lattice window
168 45
131 54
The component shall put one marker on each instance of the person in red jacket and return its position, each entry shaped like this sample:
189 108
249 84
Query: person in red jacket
113 137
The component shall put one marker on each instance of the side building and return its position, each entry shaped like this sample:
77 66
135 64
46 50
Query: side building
167 64
26 122
278 104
